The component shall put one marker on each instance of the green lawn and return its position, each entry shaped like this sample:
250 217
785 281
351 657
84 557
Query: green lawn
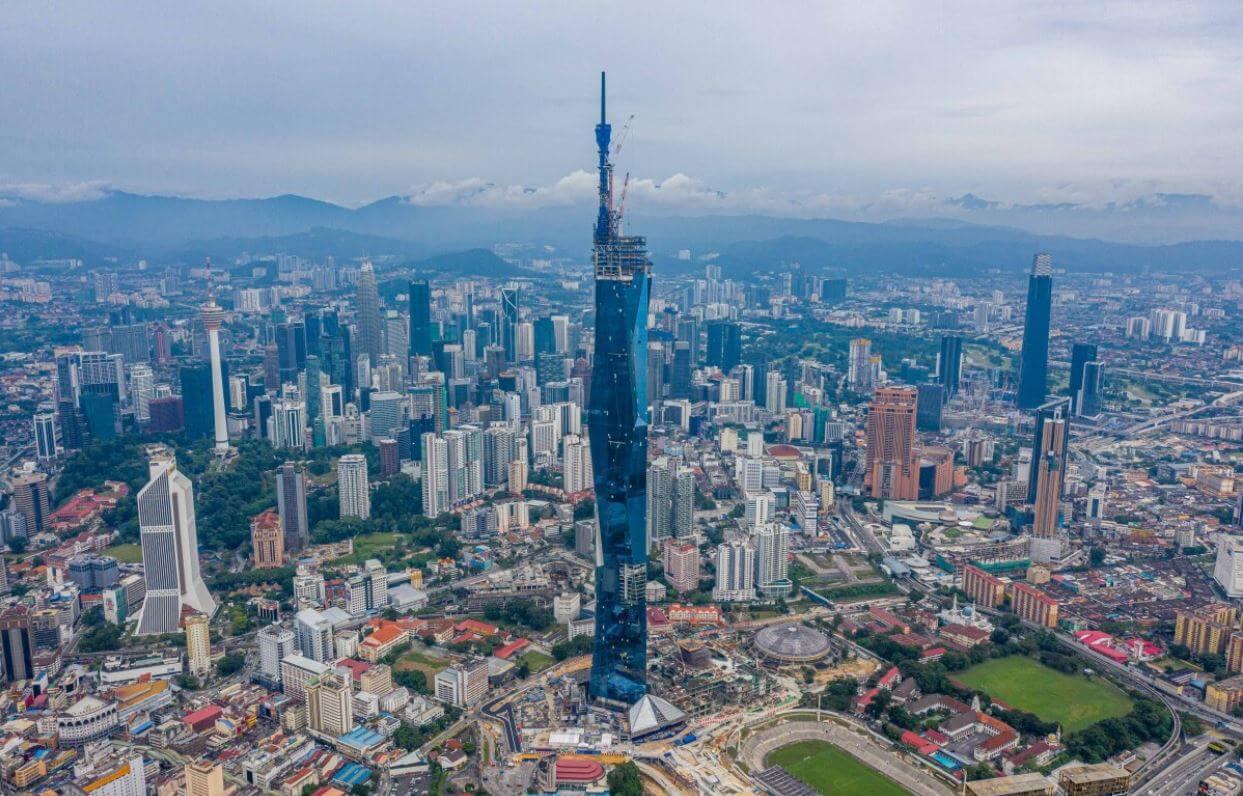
538 661
429 664
1072 700
369 545
126 553
830 770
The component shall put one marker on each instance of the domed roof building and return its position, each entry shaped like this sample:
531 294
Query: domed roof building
786 645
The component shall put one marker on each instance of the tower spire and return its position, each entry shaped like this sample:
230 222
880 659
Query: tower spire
604 216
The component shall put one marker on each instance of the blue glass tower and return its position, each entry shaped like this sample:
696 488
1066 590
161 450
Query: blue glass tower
617 426
1034 361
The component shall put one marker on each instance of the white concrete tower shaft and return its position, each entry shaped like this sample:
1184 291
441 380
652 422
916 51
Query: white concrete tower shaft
213 316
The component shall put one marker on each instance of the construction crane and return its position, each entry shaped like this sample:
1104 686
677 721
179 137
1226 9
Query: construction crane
621 200
621 138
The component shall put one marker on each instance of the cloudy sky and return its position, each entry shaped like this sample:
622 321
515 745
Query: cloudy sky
803 108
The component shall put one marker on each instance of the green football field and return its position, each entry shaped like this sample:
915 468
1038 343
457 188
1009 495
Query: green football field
831 771
1072 700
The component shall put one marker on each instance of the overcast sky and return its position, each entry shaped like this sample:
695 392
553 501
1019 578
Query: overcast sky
810 107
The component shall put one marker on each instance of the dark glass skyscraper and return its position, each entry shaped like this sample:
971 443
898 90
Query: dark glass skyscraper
196 397
1080 355
949 367
510 302
420 318
1034 364
618 433
724 345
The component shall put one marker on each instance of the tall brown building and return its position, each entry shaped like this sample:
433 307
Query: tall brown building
1049 482
268 540
30 498
893 465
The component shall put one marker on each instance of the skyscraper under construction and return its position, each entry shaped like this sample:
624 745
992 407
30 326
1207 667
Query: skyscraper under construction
618 432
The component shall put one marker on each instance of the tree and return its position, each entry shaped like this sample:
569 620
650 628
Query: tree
1096 556
18 544
231 663
579 645
413 679
624 780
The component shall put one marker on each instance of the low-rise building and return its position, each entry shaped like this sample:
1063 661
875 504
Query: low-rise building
1095 780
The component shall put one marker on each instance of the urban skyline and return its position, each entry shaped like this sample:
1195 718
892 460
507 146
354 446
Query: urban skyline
450 495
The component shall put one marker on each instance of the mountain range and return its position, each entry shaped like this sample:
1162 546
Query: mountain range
126 226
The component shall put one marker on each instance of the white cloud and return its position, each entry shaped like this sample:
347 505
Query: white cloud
55 193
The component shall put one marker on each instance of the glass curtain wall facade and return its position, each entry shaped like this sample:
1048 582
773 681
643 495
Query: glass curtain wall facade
618 432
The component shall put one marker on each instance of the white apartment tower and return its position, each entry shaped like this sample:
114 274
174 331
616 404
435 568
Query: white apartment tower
275 643
772 549
735 572
435 475
576 469
353 488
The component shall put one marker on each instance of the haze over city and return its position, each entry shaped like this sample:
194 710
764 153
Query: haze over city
997 112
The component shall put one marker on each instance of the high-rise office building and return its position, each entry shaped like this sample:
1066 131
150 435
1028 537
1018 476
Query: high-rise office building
1084 387
420 300
367 309
1055 409
511 299
142 391
929 406
1049 459
353 486
618 422
893 466
859 366
683 366
1034 360
1088 399
291 350
375 578
386 414
198 401
724 345
949 365
170 545
16 644
31 499
198 644
291 506
655 371
45 436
